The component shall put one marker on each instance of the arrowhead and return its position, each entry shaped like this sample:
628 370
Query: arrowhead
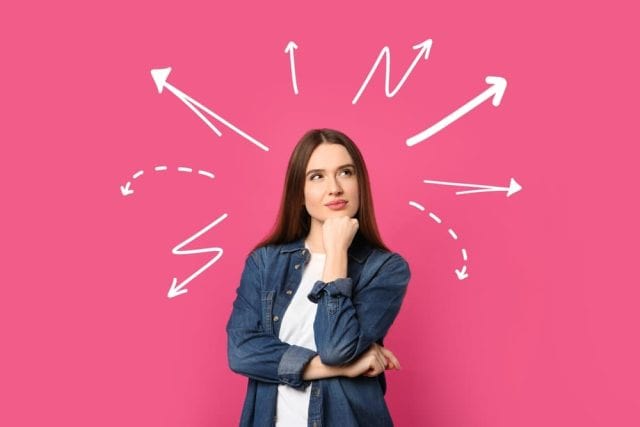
125 190
499 85
426 46
514 187
160 76
462 274
176 290
290 46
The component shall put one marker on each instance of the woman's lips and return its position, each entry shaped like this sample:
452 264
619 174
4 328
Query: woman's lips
337 206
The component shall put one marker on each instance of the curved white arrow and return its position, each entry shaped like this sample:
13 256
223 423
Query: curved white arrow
513 187
495 91
290 49
177 289
160 76
425 48
126 188
460 273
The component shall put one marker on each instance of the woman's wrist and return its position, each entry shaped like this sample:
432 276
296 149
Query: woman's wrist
335 266
315 370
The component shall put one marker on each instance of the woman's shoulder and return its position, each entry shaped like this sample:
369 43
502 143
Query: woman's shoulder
388 259
367 249
389 256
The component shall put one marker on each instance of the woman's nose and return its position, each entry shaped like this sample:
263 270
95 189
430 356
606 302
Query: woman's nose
334 187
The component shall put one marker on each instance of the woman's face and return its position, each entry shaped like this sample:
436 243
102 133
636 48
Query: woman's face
331 185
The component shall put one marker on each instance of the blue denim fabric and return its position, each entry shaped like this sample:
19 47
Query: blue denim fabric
353 313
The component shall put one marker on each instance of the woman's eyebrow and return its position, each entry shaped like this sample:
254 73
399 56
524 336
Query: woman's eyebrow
322 170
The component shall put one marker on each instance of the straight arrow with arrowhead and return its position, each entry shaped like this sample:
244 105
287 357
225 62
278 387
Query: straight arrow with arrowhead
160 76
513 187
495 91
290 49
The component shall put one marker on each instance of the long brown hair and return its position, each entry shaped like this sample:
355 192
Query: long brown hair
293 220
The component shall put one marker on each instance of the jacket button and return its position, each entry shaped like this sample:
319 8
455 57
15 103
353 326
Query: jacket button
276 318
297 266
289 292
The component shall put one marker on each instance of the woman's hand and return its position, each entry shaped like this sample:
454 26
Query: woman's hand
338 233
372 362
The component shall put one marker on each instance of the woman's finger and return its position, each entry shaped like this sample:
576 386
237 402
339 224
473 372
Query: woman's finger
375 366
387 362
392 358
382 361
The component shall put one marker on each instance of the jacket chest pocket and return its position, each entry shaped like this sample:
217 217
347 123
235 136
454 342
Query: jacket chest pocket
267 311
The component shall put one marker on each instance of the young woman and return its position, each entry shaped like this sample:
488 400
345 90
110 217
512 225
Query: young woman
317 297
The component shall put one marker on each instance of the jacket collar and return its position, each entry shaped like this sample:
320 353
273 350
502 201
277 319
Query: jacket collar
359 249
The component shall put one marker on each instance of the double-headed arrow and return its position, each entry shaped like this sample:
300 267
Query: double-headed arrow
160 76
494 92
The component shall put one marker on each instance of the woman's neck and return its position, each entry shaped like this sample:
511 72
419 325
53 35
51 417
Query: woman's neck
314 239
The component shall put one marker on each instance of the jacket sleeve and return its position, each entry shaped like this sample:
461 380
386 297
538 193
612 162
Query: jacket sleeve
345 324
252 349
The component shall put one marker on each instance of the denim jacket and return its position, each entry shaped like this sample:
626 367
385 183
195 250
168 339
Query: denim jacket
353 313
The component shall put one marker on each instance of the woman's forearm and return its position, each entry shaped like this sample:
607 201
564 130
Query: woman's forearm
347 322
371 363
315 370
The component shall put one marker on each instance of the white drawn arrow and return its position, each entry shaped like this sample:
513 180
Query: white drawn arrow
513 187
160 76
425 48
462 273
177 289
126 189
290 49
495 91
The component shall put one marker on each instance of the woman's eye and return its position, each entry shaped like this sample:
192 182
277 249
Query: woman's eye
347 172
314 176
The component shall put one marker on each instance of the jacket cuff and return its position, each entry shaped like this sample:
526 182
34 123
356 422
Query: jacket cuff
292 364
336 288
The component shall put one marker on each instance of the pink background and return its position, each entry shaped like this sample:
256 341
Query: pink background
543 332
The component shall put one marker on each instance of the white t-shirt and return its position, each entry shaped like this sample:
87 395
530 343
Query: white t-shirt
297 329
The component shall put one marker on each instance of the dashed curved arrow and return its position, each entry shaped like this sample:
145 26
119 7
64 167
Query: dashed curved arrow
462 272
126 188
